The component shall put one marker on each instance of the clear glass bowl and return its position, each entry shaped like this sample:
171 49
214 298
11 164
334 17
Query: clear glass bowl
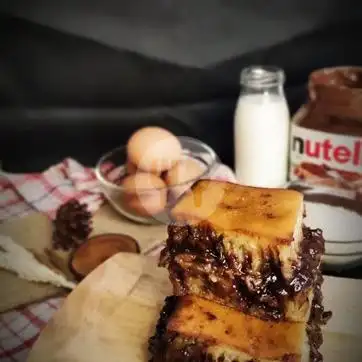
138 205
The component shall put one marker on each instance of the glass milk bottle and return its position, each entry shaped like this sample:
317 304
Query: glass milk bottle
261 128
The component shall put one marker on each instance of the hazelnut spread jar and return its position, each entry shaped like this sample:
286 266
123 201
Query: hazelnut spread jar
326 150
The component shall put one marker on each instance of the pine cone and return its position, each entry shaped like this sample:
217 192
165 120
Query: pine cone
72 225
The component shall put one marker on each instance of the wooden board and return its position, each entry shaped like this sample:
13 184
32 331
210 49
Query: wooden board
34 232
112 313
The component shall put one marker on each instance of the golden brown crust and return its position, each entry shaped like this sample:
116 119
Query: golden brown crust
218 325
268 216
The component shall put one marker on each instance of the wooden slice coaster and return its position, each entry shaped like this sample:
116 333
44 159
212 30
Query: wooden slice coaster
98 249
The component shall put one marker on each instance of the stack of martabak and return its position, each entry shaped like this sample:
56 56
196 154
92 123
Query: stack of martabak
246 278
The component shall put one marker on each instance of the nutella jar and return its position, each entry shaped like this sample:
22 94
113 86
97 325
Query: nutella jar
326 153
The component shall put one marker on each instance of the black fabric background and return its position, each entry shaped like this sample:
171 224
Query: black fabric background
63 95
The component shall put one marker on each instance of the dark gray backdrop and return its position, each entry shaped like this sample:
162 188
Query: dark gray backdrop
189 32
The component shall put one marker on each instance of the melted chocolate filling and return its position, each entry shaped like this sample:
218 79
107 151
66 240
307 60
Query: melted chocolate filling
317 319
154 343
199 252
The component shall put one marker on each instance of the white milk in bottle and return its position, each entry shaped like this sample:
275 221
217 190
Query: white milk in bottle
261 128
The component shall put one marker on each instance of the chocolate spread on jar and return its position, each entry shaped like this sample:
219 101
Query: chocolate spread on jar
326 143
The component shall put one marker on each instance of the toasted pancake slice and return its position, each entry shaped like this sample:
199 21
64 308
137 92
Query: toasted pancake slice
264 218
245 247
195 329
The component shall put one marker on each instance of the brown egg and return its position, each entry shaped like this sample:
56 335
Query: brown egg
144 194
154 149
131 168
186 170
146 205
142 182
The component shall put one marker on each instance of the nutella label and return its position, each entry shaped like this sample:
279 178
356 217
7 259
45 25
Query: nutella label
325 159
325 149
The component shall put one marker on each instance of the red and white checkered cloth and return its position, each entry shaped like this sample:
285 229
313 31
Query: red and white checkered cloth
21 194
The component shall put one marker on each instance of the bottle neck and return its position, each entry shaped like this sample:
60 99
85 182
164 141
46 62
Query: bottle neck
262 80
275 90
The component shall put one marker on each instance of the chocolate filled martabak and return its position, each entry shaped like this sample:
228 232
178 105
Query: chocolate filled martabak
245 249
196 259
